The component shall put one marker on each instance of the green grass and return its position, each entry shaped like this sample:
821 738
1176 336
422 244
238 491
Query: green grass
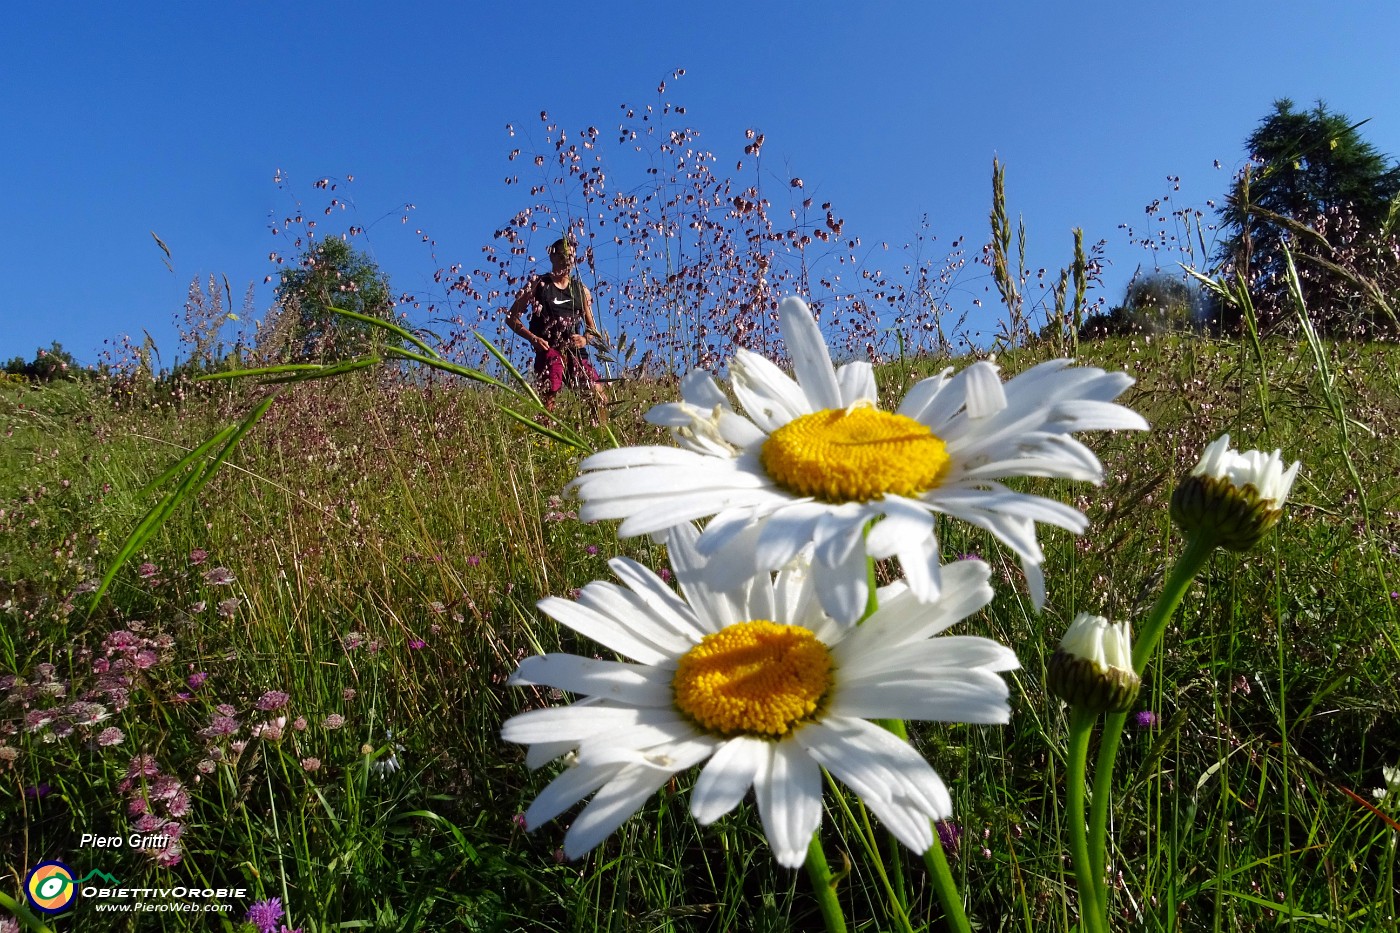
362 517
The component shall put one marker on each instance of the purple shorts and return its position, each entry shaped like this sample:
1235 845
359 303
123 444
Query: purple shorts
554 370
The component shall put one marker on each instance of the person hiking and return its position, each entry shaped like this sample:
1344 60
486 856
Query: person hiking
559 302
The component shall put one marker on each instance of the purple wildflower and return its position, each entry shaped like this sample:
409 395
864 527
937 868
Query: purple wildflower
197 679
198 556
228 607
218 576
416 643
271 700
110 736
38 790
1144 719
333 721
143 766
591 549
147 570
949 833
265 915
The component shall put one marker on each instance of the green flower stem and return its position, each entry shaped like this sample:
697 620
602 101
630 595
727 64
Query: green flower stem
824 887
942 877
22 914
1091 902
1198 550
934 860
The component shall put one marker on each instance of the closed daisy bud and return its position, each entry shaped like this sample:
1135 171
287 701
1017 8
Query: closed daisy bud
1235 496
1093 666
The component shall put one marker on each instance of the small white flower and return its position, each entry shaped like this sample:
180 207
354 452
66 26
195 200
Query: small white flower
1392 783
1265 472
815 460
1233 496
765 689
1093 666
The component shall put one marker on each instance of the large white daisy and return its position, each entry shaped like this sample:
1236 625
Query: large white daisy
815 460
764 688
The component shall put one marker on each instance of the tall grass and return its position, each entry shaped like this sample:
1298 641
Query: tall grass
387 542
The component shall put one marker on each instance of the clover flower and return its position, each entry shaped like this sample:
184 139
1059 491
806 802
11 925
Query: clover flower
765 689
816 460
1235 496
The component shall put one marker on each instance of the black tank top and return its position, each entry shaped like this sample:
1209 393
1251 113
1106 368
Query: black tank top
557 311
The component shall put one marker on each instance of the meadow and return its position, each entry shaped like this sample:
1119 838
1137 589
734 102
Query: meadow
302 677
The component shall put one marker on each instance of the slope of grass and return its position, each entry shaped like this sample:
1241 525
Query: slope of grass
381 548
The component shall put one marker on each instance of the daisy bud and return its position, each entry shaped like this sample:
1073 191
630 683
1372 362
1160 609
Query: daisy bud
1235 496
1093 666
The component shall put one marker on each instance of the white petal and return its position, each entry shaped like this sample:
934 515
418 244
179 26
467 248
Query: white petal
790 802
624 683
698 388
905 522
578 723
645 515
886 773
963 695
857 383
727 777
904 618
628 610
917 401
542 753
729 570
666 607
612 805
612 633
620 457
922 569
786 532
571 786
985 396
1088 415
934 657
843 588
637 482
770 398
713 609
811 360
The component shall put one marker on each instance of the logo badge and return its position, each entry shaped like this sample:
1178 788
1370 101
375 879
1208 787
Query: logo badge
49 887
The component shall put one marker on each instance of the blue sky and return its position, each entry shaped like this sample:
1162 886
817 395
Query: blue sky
175 118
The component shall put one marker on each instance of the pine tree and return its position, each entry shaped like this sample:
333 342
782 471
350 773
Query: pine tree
1315 186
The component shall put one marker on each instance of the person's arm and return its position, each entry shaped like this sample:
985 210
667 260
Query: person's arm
590 329
517 308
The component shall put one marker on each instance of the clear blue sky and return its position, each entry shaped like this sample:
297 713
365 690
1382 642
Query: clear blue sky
120 120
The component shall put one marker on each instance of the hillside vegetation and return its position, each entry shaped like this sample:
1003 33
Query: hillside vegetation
305 669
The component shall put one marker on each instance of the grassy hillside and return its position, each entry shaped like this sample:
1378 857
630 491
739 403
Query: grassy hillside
313 655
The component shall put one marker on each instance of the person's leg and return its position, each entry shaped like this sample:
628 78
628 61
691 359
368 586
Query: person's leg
582 373
549 376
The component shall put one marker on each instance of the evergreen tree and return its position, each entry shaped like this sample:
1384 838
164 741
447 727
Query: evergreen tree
332 274
1315 186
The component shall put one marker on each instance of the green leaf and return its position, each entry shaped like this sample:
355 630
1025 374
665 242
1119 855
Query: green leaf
386 325
199 474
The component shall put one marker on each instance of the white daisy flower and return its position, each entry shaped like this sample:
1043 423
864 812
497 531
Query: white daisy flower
1234 496
815 460
1093 666
765 689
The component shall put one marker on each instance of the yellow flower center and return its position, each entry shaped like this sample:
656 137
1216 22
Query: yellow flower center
854 455
754 678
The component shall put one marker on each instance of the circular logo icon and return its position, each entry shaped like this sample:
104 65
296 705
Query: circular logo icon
49 887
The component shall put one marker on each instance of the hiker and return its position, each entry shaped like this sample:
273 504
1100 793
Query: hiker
561 355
